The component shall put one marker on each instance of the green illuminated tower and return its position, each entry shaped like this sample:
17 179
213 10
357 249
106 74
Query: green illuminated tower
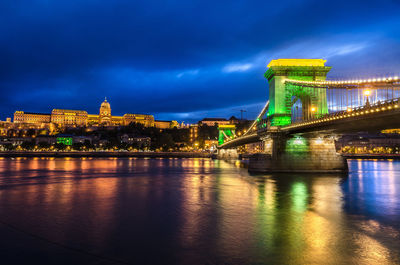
281 94
225 131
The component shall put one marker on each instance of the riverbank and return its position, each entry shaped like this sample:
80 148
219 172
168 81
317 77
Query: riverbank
372 156
106 154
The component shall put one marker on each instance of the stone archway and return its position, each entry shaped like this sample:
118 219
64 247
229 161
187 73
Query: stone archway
303 103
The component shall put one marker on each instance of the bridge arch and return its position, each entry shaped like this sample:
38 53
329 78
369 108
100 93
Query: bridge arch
280 93
302 101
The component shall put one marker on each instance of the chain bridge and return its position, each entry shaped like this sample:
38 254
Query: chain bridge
306 112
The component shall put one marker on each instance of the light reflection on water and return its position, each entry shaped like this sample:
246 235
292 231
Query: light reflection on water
195 211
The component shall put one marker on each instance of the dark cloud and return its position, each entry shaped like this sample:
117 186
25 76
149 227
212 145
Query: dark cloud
173 58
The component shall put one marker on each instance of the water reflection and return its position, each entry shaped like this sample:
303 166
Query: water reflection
197 211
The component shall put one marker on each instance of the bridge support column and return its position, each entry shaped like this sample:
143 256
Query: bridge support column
298 153
227 154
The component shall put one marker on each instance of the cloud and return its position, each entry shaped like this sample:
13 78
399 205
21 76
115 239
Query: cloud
171 57
236 67
188 73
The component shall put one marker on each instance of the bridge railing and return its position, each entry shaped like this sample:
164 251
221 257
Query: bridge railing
361 110
379 106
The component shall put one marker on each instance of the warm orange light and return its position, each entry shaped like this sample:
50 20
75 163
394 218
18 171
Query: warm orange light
313 109
349 109
367 92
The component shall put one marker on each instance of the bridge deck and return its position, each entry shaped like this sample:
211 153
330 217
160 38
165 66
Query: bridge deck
385 115
374 118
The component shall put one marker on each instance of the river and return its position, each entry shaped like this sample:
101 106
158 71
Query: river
195 211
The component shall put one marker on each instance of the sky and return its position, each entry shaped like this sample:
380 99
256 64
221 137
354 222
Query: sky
181 60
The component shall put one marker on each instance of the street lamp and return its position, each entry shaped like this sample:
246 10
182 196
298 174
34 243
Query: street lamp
367 93
313 110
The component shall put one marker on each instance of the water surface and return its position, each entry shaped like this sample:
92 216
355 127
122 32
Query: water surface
195 211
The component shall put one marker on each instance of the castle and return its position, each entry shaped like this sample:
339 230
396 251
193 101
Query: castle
74 118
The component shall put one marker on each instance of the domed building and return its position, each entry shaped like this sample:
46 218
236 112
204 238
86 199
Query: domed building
105 113
73 118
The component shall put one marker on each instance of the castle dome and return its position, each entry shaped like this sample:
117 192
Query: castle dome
105 104
105 109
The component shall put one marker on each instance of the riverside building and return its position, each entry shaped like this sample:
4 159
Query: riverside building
75 118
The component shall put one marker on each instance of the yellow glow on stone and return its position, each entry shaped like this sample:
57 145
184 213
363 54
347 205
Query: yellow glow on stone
297 62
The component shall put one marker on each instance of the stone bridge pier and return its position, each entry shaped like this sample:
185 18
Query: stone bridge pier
227 154
298 153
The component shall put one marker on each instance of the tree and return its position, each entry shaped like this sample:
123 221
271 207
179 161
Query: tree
77 146
27 145
43 145
9 147
165 141
60 146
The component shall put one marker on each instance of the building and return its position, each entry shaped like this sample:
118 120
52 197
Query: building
45 139
234 120
64 139
214 121
105 113
194 133
93 119
72 118
166 124
369 143
31 117
138 141
69 117
210 144
146 120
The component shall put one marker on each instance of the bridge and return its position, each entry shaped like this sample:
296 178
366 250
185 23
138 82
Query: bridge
306 112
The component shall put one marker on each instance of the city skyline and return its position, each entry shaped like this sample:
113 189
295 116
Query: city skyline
169 61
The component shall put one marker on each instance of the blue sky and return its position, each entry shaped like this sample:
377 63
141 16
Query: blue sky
181 60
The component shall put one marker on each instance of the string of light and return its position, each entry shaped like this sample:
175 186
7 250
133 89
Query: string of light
345 82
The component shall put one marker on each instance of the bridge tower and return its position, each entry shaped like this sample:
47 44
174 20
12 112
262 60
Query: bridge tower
225 131
281 95
296 152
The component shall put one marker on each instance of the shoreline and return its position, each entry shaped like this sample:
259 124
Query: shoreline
159 154
372 156
107 154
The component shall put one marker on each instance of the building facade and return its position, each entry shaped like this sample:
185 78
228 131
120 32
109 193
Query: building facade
214 121
69 117
146 120
166 124
72 118
194 133
31 117
105 113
